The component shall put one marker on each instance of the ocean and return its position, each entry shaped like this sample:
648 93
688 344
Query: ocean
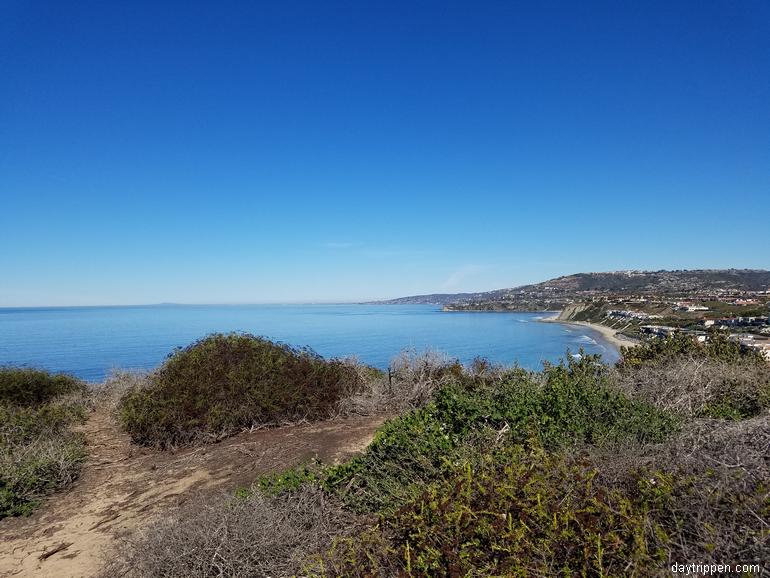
89 342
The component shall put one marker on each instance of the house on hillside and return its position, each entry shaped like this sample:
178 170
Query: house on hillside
658 330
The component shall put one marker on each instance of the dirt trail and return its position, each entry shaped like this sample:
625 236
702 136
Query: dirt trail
122 485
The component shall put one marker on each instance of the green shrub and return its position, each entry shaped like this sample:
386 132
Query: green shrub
289 480
405 453
514 512
39 451
569 404
23 386
523 511
20 425
679 345
224 383
32 470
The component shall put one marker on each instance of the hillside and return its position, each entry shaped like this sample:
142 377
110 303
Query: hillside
670 282
555 293
437 298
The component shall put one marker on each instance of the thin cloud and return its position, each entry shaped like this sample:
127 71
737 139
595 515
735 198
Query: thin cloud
386 253
460 275
338 245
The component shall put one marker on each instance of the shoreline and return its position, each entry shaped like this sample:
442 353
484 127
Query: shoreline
609 334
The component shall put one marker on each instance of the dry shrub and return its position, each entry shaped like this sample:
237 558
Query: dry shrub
256 535
719 472
701 386
117 384
415 376
411 381
720 448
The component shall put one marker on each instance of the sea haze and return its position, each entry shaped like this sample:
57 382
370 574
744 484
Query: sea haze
90 341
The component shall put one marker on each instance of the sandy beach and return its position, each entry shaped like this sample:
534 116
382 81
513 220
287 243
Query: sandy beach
610 335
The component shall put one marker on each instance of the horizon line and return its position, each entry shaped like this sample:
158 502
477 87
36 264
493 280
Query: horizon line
202 304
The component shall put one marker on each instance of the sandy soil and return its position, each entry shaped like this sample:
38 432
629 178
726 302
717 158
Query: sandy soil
122 486
608 333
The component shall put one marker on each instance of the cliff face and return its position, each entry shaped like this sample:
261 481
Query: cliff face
570 311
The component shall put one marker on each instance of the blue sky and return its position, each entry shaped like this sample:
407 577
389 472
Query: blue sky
226 152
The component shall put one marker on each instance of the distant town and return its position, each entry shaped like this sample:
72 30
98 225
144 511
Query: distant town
743 315
641 304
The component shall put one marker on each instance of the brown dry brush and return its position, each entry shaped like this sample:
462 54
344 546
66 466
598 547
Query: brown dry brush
411 380
719 471
409 383
700 386
252 536
117 384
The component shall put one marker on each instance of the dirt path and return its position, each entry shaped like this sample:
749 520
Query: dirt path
123 485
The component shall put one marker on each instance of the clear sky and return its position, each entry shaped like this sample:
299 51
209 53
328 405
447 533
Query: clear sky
217 152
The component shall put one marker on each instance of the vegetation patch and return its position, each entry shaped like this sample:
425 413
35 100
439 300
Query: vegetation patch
21 386
718 379
253 535
719 476
39 451
680 345
226 382
513 512
566 405
578 470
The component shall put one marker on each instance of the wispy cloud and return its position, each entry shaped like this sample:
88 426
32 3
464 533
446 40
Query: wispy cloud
338 245
386 253
459 275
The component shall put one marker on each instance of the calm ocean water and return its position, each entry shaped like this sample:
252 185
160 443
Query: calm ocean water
90 341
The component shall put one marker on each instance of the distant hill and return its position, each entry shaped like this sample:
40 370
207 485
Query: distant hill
436 298
666 281
555 293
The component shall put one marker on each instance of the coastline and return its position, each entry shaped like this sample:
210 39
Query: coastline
609 334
